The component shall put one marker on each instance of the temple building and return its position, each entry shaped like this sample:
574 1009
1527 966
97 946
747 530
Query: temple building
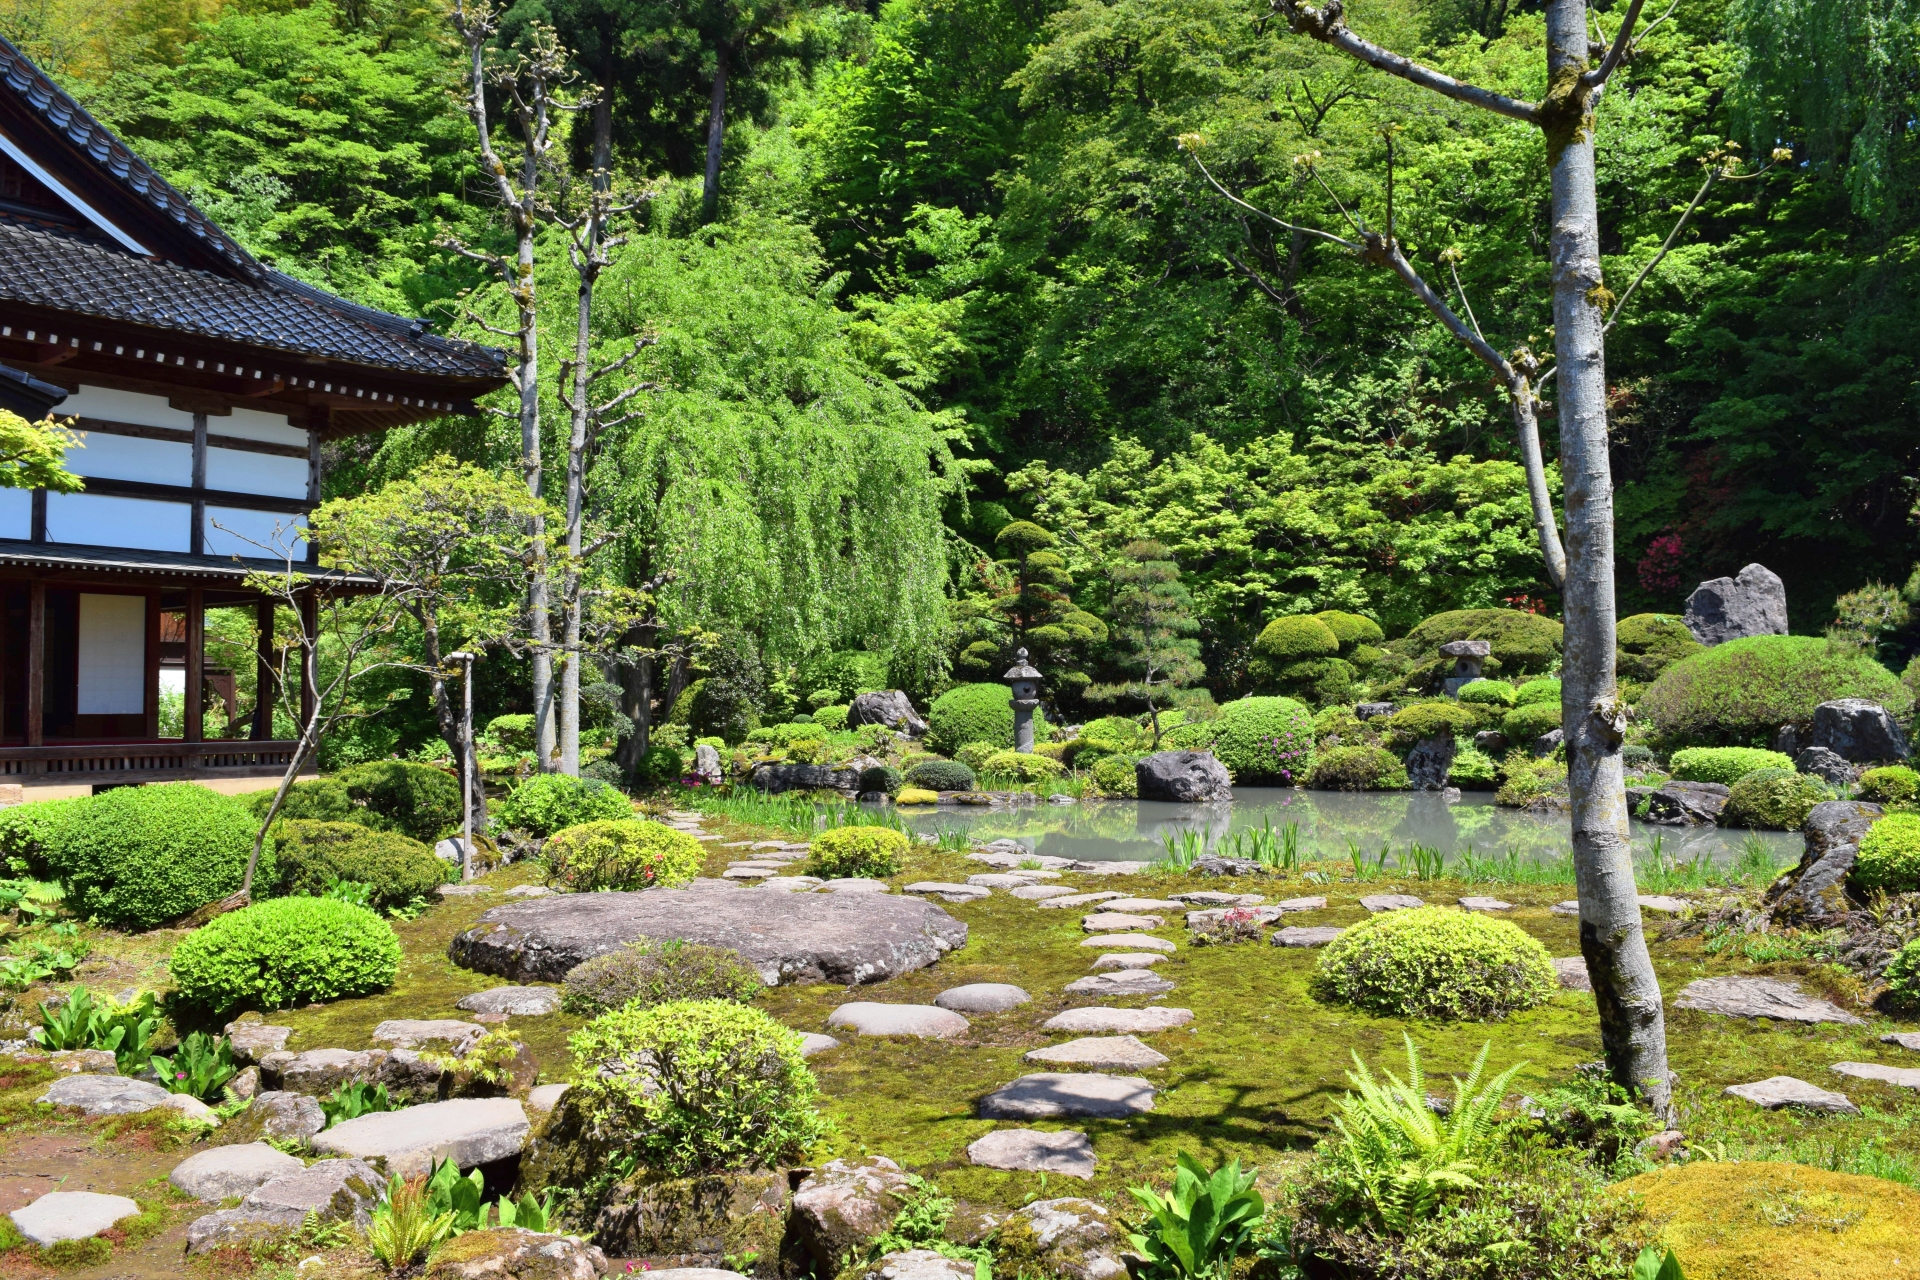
203 385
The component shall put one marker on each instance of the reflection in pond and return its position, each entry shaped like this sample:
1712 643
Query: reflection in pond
1327 821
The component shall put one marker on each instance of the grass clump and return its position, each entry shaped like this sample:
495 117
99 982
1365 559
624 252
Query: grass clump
1741 692
315 856
1432 962
626 854
858 851
1889 856
1773 800
288 951
648 973
138 857
550 802
1724 765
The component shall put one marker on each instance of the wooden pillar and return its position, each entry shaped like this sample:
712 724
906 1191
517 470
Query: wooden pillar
197 538
36 663
263 672
309 673
151 727
194 727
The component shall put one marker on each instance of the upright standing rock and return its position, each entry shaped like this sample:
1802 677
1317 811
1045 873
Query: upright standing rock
1430 761
706 764
1752 604
891 709
1857 729
1183 777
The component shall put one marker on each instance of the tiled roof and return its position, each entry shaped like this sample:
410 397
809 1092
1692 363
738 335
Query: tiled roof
279 314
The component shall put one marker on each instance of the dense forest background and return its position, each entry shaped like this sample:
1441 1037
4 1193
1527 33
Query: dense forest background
960 261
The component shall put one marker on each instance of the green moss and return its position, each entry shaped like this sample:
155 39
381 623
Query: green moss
1741 692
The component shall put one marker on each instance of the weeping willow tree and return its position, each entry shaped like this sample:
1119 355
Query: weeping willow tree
771 485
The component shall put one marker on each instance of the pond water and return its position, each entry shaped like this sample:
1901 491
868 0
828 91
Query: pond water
1111 830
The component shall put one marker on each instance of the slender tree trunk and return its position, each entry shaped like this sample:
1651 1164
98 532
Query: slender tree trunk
446 716
716 129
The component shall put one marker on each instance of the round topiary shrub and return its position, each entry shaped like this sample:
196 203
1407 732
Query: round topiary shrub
975 713
1287 640
1773 800
315 855
289 951
138 857
1489 693
1523 724
417 800
1889 856
1352 630
1116 775
858 851
1022 766
1652 642
626 854
1523 643
880 777
1194 736
1357 769
1890 784
1436 962
1741 692
1535 692
550 802
27 829
1265 740
1323 682
941 775
1724 765
696 1087
976 754
833 718
648 973
1430 720
1903 976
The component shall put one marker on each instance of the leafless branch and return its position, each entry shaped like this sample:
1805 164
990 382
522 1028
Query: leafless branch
1621 40
1326 24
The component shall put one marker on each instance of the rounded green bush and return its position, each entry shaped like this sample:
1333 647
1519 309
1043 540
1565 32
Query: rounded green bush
1430 720
1652 642
1523 724
288 951
1890 784
1889 856
1436 962
1473 770
1535 692
1724 765
1741 692
1116 776
833 719
27 829
316 800
647 973
513 732
975 713
1903 976
550 802
1195 735
625 854
1357 769
880 777
141 856
1351 629
1116 733
858 851
314 855
660 766
417 800
1773 800
1022 766
1324 682
696 1087
941 775
975 754
1265 740
1488 693
1523 643
1286 640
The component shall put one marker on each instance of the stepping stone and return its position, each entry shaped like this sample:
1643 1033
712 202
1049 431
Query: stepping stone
1664 905
1904 1077
856 884
1297 935
1140 906
464 890
1484 904
1135 941
1303 904
1046 1094
812 1042
738 844
982 997
70 1215
543 1098
98 1095
750 873
1011 879
1077 900
242 1228
916 1264
334 1189
768 844
1573 973
1215 898
692 1273
1759 998
1118 1021
1905 1039
1126 982
1111 868
1118 922
950 892
442 1035
1379 902
1785 1091
1012 861
791 884
1041 892
521 1002
686 815
276 1114
467 1131
1031 1151
923 1021
219 1172
1127 960
1571 907
253 1041
1102 1053
1212 915
529 891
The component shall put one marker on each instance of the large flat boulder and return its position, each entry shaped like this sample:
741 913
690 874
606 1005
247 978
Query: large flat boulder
776 778
519 1002
514 1253
441 1035
1183 777
276 1115
1776 1092
844 938
319 1072
1751 604
1031 1151
1904 1077
70 1215
1048 1094
915 1021
1685 804
467 1131
1738 997
1070 1238
99 1095
220 1172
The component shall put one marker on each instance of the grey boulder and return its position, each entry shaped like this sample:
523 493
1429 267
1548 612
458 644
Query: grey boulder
1572 971
1049 1094
335 1190
70 1215
1130 941
1827 765
1484 904
1753 603
1784 1091
891 708
1031 1151
812 1042
706 764
1817 886
777 778
1379 902
319 1072
514 1253
1429 762
1071 1238
442 1035
1738 997
1683 804
841 1206
520 1002
253 1041
242 1228
1905 1039
99 1095
219 1172
918 1264
277 1115
1299 935
1904 1077
1183 777
1859 730
982 997
467 1131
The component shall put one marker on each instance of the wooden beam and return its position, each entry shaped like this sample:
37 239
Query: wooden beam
263 672
194 728
152 700
36 663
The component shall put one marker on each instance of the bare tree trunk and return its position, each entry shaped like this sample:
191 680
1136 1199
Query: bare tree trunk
716 130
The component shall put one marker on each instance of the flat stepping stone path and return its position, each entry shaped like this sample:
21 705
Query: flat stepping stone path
467 1131
1133 941
1304 935
751 873
1759 998
1784 1091
1211 915
1118 1021
70 1215
846 939
1662 904
1012 861
1102 1053
1118 922
1573 973
1077 900
951 892
1125 982
1012 879
1315 903
812 1042
982 997
1040 892
1571 907
438 1034
1127 960
1046 1094
791 884
856 884
1905 1039
1215 898
1140 906
99 1095
1484 904
1904 1077
918 1264
464 890
219 1172
529 891
922 1021
520 1002
1379 902
1031 1151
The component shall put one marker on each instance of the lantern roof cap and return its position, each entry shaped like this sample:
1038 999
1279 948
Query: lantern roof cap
1020 670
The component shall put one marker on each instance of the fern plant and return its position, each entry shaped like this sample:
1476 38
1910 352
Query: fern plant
1397 1157
1195 1231
404 1228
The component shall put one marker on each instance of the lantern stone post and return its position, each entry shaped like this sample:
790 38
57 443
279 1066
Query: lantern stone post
1025 683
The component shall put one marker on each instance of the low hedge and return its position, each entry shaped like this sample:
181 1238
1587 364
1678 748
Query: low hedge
648 973
314 855
1741 692
626 854
288 951
1532 692
137 857
27 829
550 802
858 851
1889 856
1022 766
1773 800
1525 723
1890 784
1116 775
941 775
1488 693
1357 769
1724 765
1436 962
1265 741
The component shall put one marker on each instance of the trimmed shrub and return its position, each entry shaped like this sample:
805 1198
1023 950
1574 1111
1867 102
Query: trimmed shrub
858 851
975 713
661 765
1741 692
1357 769
550 802
1903 976
1288 640
140 856
1116 733
1523 724
289 951
415 799
880 777
1324 682
1522 643
319 800
696 1087
833 719
1430 720
1193 736
27 829
512 732
648 973
1773 799
976 754
1116 776
941 775
1022 766
1351 629
1265 740
1890 784
916 795
1536 692
625 854
1436 962
1889 856
1724 765
313 855
1490 693
1473 770
1652 642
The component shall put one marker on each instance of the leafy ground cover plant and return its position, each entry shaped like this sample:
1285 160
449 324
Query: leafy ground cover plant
627 854
355 1099
921 1223
1434 962
550 802
284 952
200 1067
84 1022
648 973
1195 1231
858 851
42 959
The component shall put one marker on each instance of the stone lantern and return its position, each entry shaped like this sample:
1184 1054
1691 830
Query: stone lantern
1025 683
1468 657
